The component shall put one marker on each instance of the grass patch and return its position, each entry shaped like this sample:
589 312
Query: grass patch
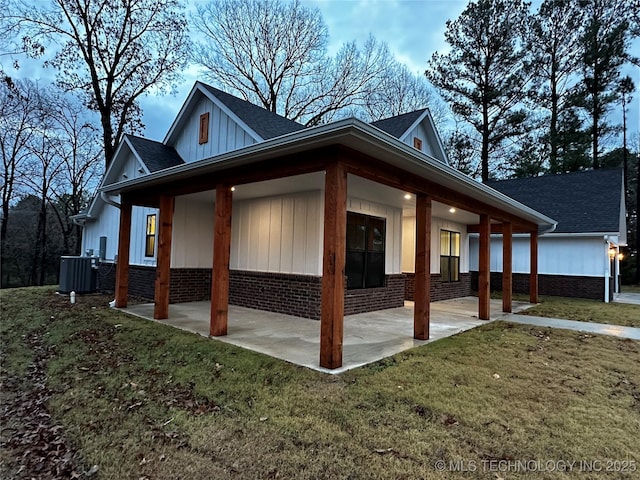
584 310
141 400
630 288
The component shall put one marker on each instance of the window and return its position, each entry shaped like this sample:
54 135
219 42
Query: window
449 256
365 251
203 136
150 238
417 143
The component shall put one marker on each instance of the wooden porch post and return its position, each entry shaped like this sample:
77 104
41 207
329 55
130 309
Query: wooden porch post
163 264
533 277
484 286
507 266
333 265
124 240
221 255
422 297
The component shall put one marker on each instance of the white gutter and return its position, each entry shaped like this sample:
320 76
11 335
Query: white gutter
107 199
348 132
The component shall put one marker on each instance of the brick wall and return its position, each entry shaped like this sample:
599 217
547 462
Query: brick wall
371 299
297 295
554 285
440 290
189 285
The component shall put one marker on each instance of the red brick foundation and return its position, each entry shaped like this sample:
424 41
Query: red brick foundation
553 285
297 295
440 290
371 299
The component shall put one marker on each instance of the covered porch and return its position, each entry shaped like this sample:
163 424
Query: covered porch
368 337
336 152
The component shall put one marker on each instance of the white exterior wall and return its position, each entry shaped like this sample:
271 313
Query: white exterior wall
420 132
192 234
280 234
575 255
108 226
437 224
225 134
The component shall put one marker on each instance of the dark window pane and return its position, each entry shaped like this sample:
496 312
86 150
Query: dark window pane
354 269
375 270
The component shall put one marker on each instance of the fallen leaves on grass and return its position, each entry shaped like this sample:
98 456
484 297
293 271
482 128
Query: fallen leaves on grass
27 428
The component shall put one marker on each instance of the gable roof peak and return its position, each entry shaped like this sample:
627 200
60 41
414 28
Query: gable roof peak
397 125
265 123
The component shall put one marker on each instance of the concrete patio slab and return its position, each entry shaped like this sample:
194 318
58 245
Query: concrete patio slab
368 337
630 298
591 327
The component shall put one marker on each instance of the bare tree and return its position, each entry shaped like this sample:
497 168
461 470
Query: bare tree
19 103
112 51
275 55
400 91
78 149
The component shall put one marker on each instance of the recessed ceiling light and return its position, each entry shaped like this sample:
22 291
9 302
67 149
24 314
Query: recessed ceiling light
233 189
407 196
452 210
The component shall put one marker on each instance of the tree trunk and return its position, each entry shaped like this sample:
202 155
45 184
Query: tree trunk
484 155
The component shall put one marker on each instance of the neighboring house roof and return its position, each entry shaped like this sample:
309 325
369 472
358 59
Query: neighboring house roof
581 202
398 125
265 123
155 155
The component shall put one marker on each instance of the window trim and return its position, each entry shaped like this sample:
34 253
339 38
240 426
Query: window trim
452 234
203 134
150 236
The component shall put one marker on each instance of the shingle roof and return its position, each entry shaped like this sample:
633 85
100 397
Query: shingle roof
265 123
581 202
155 155
399 124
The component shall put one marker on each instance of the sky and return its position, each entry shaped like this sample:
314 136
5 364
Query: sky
413 30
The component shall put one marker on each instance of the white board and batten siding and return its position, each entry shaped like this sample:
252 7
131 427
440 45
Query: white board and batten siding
277 234
570 255
192 234
419 131
225 134
437 224
110 223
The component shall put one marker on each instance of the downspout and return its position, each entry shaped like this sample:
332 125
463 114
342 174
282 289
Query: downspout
108 200
606 269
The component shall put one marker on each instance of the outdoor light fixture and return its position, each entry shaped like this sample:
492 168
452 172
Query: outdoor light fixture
620 256
452 210
612 253
407 196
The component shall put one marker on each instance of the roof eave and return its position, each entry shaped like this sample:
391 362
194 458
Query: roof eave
347 132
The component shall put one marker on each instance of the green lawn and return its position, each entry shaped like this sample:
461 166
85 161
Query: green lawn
134 399
586 310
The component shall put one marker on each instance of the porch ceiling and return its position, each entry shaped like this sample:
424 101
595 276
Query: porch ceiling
357 187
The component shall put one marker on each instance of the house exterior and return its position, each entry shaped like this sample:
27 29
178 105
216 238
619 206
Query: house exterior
238 205
581 257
